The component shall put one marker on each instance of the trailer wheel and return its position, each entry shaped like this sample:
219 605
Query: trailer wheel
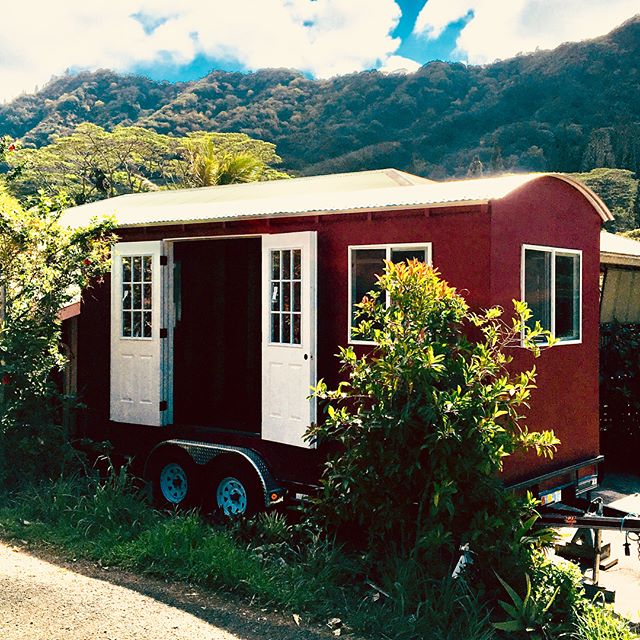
236 490
174 482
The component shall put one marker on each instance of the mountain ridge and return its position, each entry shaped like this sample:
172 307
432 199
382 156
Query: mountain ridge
563 109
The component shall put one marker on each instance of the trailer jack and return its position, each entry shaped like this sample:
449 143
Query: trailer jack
590 519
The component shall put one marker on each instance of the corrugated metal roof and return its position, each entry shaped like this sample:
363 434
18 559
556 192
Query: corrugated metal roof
615 249
337 193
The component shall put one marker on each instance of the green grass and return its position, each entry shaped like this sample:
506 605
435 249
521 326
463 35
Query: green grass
597 622
266 559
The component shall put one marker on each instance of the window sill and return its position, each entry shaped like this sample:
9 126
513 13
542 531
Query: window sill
366 343
560 343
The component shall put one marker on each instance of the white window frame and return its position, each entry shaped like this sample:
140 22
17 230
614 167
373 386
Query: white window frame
290 345
554 251
122 309
388 247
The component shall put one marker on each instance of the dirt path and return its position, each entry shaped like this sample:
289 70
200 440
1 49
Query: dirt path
40 600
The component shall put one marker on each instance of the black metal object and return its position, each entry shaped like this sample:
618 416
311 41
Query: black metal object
577 515
571 469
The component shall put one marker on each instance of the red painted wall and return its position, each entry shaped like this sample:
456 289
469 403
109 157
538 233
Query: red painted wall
476 248
552 213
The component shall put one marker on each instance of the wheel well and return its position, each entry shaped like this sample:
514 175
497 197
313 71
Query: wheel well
232 461
162 453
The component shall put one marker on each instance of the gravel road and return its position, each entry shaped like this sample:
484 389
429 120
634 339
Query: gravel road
40 600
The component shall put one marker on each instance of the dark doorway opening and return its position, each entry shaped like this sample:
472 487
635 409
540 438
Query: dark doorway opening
217 350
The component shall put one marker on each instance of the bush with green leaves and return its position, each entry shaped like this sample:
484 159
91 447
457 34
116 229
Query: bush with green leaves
43 267
423 423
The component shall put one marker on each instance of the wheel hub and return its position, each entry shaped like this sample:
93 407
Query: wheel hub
173 483
231 497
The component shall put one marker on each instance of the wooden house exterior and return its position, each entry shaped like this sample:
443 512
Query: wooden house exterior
225 305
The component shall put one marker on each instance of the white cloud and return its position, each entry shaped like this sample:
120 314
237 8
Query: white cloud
500 29
323 37
398 64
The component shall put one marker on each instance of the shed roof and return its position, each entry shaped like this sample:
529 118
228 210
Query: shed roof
618 250
386 189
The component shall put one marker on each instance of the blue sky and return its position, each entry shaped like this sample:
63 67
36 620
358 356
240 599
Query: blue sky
185 39
411 46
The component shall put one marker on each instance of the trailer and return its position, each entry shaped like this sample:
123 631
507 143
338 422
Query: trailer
226 304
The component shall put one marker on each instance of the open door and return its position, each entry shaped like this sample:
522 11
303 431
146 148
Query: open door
137 335
288 335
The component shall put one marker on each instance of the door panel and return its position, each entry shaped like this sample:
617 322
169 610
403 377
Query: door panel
137 352
288 336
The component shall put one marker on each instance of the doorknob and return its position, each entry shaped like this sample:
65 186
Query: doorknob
306 356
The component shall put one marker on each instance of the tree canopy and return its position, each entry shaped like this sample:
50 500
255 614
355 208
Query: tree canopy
92 163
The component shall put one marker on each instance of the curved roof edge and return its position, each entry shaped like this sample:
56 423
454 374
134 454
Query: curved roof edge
295 197
593 198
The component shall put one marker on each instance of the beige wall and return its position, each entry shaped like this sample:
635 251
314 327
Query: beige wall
620 301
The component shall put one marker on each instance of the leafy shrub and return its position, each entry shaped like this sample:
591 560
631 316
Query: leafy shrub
43 265
563 579
423 423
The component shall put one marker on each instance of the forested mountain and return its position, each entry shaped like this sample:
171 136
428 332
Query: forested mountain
571 109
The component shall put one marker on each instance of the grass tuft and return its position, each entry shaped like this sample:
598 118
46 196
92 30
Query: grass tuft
289 567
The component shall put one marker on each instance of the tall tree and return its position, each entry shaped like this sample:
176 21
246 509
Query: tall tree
92 163
207 159
599 151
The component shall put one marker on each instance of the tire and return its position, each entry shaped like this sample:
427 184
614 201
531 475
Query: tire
234 490
175 481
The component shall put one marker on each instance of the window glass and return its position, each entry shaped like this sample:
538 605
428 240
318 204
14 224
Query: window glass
136 297
552 291
402 255
537 286
285 288
567 296
365 265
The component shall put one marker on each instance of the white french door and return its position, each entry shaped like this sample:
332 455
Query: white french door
138 330
288 335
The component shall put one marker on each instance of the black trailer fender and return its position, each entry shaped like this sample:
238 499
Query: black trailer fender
202 453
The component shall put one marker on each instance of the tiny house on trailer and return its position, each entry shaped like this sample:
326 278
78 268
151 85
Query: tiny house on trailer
225 304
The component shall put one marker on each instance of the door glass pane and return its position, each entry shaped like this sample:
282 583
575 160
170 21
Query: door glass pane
366 264
146 329
275 296
296 328
297 265
126 296
296 296
567 296
537 286
126 324
147 269
286 296
286 328
275 265
402 255
137 269
126 269
137 324
285 291
275 327
146 299
286 265
137 297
